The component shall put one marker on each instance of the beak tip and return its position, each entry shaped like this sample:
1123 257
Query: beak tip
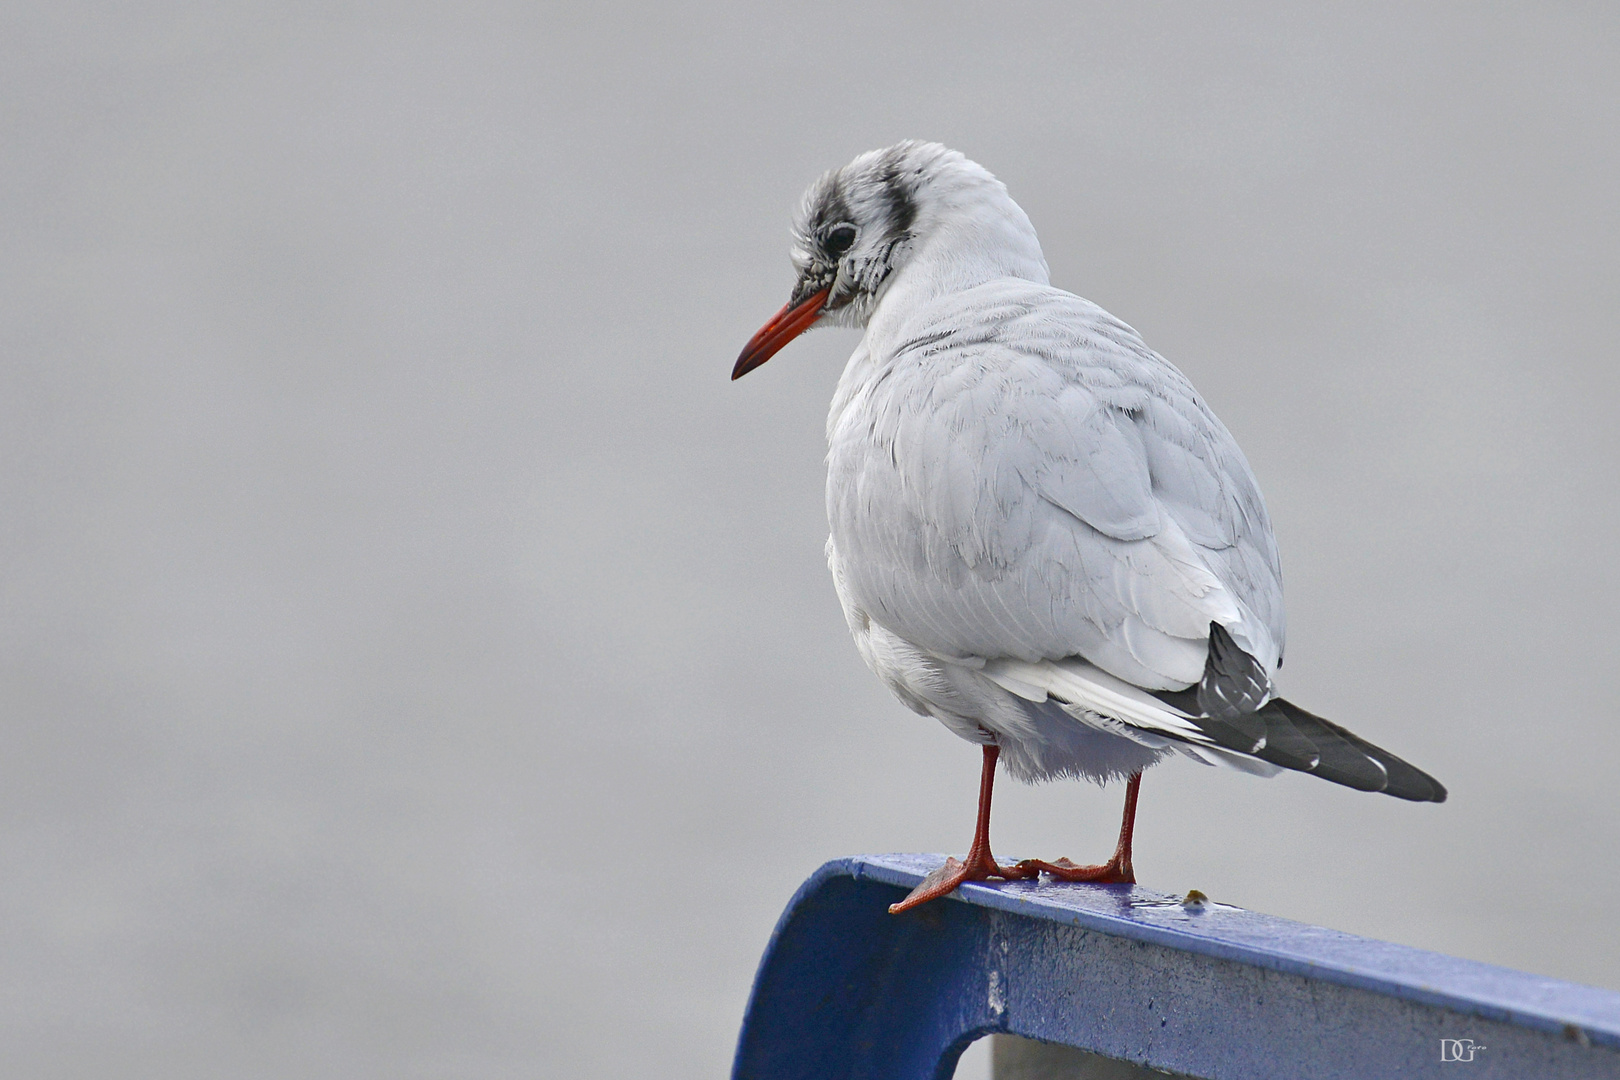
787 324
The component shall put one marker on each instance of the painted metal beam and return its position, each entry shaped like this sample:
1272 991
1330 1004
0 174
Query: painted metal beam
846 991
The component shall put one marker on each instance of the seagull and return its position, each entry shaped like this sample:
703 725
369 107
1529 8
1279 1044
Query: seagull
1039 532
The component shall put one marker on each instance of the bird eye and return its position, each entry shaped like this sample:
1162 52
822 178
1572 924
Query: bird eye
839 240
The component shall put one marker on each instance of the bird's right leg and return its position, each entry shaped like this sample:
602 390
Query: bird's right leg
980 865
1117 870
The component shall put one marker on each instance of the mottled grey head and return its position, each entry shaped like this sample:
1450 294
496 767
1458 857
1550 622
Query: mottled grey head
852 232
854 228
860 226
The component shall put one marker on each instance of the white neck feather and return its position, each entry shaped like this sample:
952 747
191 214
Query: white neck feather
968 231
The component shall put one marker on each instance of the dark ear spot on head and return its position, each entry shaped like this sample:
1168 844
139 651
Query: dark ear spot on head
898 195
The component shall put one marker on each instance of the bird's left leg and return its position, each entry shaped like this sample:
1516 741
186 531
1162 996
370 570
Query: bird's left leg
980 864
1117 870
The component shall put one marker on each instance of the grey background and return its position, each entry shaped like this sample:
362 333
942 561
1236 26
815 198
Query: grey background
419 660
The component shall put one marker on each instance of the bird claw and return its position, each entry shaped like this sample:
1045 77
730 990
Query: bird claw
946 879
1114 872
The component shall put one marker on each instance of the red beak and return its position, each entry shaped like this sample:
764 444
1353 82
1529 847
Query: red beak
784 326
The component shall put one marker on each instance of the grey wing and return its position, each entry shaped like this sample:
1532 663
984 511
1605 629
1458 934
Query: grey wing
1026 479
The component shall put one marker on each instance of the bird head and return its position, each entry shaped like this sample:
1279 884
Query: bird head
860 228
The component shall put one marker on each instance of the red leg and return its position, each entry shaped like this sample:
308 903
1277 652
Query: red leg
980 864
1117 870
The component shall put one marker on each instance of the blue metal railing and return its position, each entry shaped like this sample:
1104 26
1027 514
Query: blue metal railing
846 990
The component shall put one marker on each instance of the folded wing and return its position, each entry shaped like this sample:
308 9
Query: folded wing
1029 481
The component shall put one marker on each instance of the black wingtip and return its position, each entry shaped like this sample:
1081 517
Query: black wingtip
1349 759
1226 706
1235 684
